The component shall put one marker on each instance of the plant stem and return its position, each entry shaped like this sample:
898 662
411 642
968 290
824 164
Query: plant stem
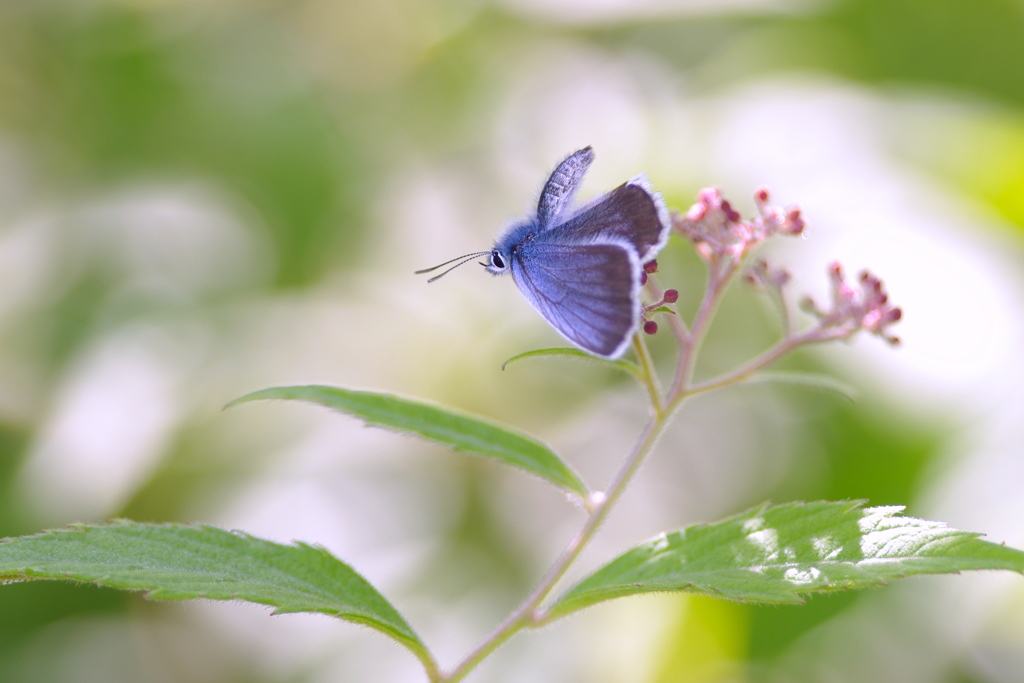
429 665
784 346
717 280
528 614
650 378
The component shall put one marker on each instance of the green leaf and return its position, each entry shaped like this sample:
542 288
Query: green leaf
457 430
809 380
778 553
623 365
180 562
661 309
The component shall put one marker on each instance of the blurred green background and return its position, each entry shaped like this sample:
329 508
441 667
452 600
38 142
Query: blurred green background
200 199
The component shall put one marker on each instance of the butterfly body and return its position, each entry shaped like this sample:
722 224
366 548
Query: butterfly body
581 268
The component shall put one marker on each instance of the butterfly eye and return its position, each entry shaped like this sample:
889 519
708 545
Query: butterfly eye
496 260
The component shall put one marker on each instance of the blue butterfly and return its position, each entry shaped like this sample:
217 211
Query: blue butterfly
581 268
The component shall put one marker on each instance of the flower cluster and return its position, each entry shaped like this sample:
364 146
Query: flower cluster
863 305
719 233
723 239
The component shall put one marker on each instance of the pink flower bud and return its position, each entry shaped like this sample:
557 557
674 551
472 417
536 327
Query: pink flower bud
721 235
863 306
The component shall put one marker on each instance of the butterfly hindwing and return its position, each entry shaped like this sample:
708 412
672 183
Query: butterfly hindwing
588 292
631 212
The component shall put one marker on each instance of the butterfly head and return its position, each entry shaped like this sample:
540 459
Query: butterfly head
497 261
500 257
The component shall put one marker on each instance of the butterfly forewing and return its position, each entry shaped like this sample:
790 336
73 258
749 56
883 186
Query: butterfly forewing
630 212
588 292
558 191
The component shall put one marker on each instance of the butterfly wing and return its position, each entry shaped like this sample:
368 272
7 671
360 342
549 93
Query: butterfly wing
561 186
588 292
632 212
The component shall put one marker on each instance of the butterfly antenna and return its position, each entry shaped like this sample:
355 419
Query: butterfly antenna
465 258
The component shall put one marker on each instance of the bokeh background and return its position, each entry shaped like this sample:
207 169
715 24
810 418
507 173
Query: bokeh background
202 199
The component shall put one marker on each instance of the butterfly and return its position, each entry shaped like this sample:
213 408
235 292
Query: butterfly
581 267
